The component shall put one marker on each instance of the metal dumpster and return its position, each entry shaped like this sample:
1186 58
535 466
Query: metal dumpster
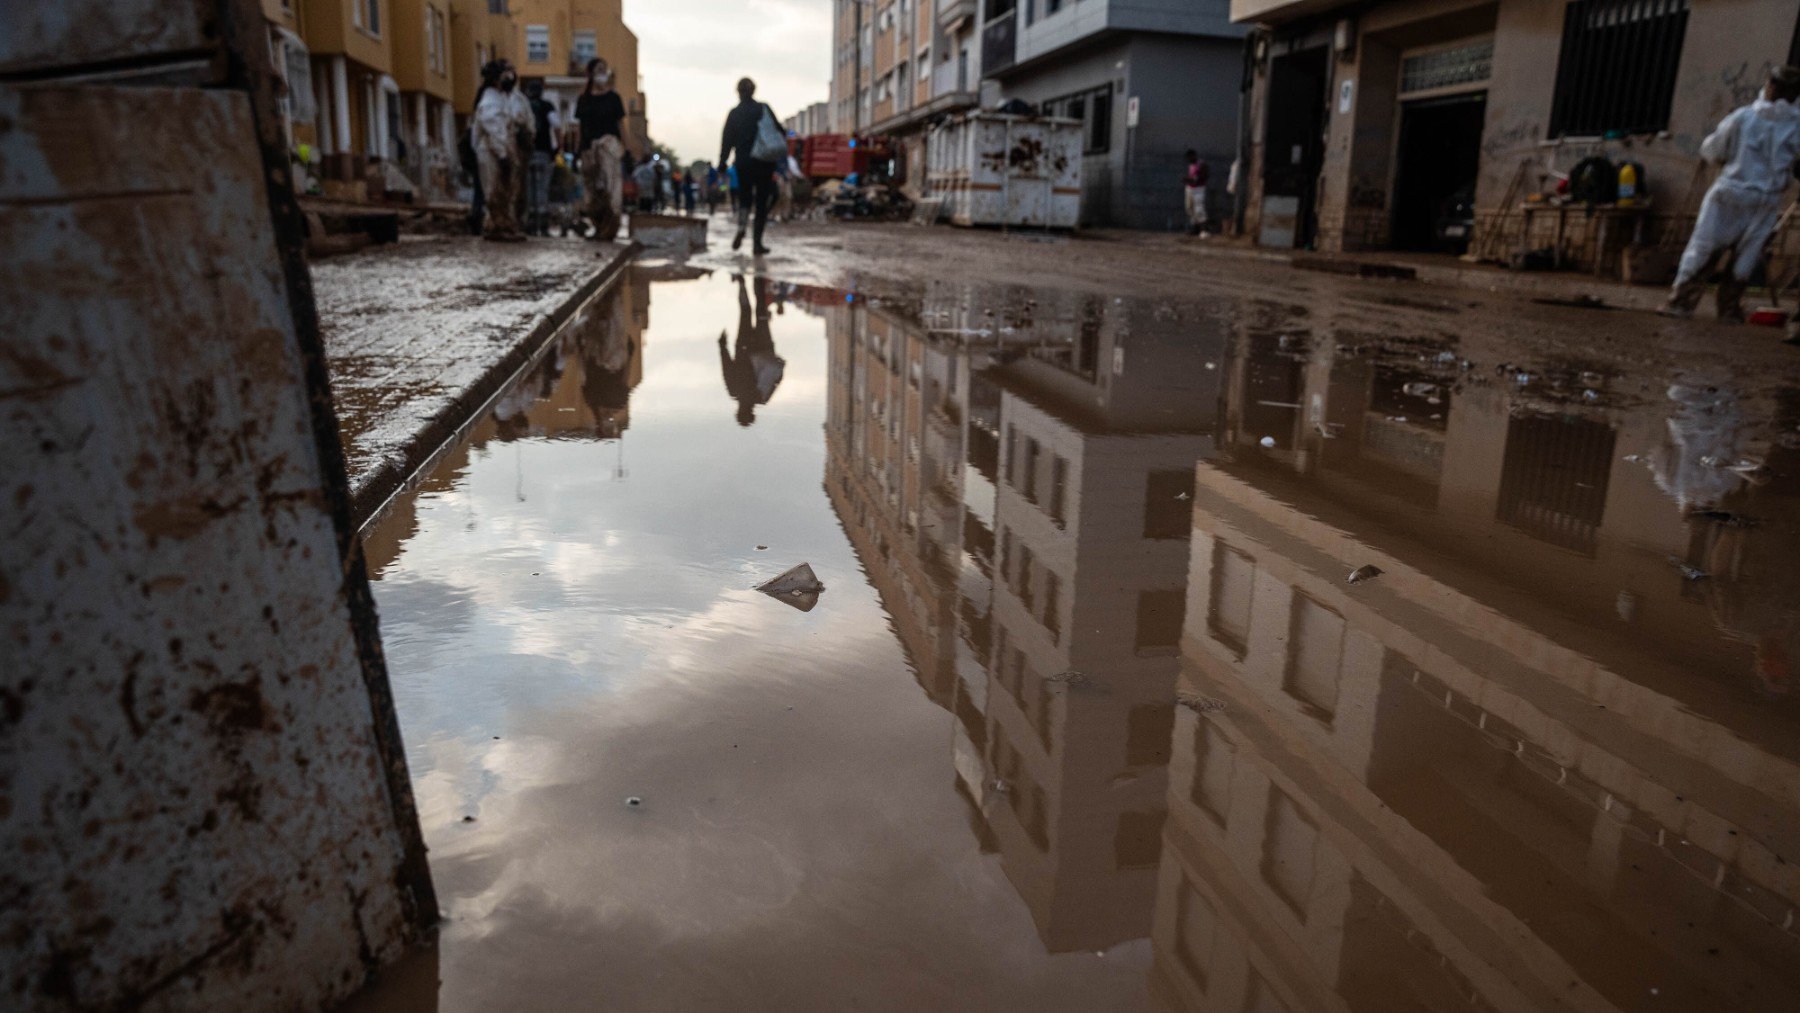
1001 169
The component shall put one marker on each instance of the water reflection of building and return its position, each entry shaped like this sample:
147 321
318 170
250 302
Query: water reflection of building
1017 480
1531 765
580 385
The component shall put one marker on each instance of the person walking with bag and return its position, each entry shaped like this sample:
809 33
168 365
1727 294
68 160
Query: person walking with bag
752 130
600 112
502 120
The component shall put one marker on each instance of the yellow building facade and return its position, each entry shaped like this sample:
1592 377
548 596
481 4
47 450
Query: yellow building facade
377 91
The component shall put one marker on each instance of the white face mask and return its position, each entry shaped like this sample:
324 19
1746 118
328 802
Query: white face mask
603 79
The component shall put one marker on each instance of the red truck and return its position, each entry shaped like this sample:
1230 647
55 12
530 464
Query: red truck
834 156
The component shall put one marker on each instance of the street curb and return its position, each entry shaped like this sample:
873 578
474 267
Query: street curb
372 491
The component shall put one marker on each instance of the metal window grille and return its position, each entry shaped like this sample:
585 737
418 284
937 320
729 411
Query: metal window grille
1553 480
537 43
1471 63
1618 66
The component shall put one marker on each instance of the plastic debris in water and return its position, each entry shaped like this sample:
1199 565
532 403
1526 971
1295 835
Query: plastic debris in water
797 587
1070 678
762 548
1368 571
1688 572
1199 704
634 800
1267 441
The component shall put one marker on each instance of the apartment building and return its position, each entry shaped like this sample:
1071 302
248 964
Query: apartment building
1371 124
898 67
1149 78
814 119
394 81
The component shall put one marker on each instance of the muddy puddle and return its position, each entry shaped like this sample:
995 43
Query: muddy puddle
1089 715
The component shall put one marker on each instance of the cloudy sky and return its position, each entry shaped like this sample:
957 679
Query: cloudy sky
691 54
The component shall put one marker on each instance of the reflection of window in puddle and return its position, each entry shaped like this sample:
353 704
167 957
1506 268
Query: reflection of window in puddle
1262 997
1315 656
1137 842
1159 616
1214 762
1148 729
1290 843
1169 504
1196 933
1233 580
1553 482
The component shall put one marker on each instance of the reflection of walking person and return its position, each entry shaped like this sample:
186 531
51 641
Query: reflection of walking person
752 130
752 370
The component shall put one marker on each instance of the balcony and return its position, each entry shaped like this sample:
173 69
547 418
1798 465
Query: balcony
952 13
1277 11
999 43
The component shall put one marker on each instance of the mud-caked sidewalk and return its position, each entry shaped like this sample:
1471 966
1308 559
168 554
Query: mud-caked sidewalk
421 333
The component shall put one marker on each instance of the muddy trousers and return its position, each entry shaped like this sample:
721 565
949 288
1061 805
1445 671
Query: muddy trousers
537 191
1735 223
603 179
500 184
756 191
1196 207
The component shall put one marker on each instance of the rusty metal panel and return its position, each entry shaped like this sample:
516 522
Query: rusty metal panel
201 798
36 34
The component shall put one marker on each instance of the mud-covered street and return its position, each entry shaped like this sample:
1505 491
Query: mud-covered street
1090 709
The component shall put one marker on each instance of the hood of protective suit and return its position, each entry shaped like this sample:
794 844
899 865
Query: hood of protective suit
1758 144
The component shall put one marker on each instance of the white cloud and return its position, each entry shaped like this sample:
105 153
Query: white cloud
691 55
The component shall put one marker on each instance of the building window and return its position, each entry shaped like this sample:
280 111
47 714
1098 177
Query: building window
1159 615
1169 504
1052 6
1232 588
1094 108
497 7
1456 66
1290 843
1196 934
1137 839
437 40
585 48
1315 656
1617 72
537 43
367 14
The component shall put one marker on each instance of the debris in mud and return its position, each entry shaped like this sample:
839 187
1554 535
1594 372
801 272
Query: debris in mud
1724 517
634 801
1580 302
1268 442
1688 571
1199 704
468 819
798 587
1368 571
1068 678
762 548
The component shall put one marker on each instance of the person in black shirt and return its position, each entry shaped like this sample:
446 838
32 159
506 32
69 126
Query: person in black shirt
753 373
756 178
601 115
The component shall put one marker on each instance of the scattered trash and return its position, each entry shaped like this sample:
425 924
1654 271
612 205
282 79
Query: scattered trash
798 587
1590 395
1327 430
634 800
1268 442
1183 497
1000 787
1580 302
1688 572
762 548
1068 678
1199 704
1724 517
1368 571
468 819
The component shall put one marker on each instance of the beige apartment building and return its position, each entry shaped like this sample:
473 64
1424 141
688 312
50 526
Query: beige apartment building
898 66
1369 124
394 81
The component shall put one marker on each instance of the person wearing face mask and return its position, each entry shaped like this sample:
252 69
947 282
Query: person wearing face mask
601 115
502 135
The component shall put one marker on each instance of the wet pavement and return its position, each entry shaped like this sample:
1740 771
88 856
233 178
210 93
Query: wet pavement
1089 715
418 335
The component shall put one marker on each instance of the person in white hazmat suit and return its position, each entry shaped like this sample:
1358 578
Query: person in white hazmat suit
1758 145
502 135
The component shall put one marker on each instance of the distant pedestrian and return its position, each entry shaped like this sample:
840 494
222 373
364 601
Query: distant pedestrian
1758 144
502 120
754 132
546 130
644 176
690 191
712 190
600 114
1194 181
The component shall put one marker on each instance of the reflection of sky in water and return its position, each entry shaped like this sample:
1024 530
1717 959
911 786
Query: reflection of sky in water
560 638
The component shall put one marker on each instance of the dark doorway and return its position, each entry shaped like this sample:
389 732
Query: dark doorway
1295 145
1440 155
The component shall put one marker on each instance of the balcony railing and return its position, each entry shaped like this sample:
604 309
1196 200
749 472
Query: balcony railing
954 12
999 43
